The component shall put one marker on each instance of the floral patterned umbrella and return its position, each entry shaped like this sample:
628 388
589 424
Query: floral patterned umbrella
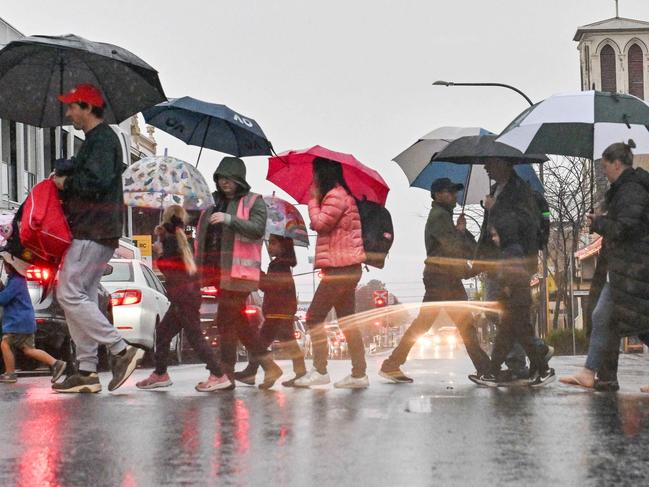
162 181
285 220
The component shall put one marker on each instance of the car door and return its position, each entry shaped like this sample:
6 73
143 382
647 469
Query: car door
161 301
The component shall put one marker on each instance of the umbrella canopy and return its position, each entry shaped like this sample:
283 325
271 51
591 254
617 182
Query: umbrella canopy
204 124
162 181
414 161
477 149
476 182
292 171
35 70
580 124
285 220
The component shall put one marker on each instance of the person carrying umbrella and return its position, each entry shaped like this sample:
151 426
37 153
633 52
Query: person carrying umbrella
229 258
339 254
93 202
448 248
622 306
512 199
279 307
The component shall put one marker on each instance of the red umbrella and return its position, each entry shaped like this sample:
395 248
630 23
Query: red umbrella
292 171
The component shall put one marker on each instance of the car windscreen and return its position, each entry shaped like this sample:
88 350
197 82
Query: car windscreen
122 272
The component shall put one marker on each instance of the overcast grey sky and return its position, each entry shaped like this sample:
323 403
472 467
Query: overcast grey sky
352 75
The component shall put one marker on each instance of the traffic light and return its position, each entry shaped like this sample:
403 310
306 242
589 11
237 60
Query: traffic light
379 301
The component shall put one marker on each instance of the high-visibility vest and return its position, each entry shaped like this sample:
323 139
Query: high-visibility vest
246 252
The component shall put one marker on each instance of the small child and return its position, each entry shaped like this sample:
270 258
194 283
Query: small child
18 328
513 279
279 307
183 290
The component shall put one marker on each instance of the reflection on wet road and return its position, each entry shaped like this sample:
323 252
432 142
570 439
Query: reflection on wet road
442 430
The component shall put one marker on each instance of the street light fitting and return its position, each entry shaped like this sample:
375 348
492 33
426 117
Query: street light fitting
501 85
443 83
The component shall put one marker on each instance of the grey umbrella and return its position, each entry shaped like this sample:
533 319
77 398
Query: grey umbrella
35 69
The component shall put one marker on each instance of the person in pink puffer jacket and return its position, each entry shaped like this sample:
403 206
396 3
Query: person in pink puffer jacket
339 254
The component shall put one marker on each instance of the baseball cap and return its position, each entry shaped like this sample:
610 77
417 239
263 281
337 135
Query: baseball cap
445 184
84 92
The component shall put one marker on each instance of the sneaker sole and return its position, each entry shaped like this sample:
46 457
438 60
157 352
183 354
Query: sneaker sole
312 385
217 387
155 386
137 358
364 386
8 381
84 389
387 376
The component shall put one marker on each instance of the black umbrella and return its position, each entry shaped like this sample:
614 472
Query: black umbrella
476 149
210 125
35 70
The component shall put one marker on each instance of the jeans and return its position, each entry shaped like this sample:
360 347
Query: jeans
336 290
78 284
427 316
601 333
186 317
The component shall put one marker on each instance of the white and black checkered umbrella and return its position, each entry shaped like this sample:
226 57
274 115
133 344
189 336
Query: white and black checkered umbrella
580 124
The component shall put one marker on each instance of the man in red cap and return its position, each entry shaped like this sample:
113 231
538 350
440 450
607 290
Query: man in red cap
93 201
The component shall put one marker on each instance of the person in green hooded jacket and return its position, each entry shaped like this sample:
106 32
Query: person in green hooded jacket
236 221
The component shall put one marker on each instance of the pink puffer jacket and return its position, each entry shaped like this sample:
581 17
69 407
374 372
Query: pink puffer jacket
338 223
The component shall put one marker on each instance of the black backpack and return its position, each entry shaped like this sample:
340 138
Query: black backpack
378 232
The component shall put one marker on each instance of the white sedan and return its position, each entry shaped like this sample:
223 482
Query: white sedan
139 300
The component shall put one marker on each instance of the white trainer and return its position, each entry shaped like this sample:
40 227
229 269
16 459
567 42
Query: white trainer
313 378
350 382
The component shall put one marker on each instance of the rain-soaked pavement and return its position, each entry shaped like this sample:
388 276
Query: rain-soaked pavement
442 430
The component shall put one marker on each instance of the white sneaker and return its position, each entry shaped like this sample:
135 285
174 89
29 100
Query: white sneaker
350 382
313 378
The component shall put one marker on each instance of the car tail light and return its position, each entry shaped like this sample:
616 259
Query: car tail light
40 321
210 291
125 297
39 274
250 311
297 334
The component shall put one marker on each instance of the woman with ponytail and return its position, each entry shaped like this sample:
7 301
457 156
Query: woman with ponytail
176 262
620 288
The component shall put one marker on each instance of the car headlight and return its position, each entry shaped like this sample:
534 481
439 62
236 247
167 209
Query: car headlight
451 340
437 340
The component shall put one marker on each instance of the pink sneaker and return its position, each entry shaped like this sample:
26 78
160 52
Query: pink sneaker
214 383
154 381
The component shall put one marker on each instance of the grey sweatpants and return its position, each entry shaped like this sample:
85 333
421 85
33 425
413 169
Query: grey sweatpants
83 267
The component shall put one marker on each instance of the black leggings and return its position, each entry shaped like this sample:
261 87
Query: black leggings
184 317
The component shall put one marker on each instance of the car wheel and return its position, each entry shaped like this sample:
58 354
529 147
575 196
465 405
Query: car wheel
149 354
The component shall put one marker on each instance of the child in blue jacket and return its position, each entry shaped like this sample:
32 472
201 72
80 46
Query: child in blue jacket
18 328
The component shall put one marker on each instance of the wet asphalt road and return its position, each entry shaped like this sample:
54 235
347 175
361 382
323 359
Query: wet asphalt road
442 430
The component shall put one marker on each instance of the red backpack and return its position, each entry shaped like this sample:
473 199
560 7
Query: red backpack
43 227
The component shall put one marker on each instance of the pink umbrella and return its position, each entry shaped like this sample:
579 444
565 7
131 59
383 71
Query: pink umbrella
292 171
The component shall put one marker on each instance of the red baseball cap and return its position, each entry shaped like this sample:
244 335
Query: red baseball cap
86 93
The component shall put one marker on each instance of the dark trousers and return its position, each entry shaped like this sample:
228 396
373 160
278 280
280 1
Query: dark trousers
336 290
280 329
186 318
516 326
233 326
427 316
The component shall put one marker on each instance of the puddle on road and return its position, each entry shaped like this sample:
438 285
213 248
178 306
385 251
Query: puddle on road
426 404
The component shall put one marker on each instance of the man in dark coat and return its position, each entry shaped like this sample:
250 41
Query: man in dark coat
448 247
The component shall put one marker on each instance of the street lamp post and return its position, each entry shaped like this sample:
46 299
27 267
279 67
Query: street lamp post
543 286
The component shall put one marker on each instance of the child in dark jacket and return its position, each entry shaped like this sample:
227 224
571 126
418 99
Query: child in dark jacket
513 280
177 264
279 307
18 328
